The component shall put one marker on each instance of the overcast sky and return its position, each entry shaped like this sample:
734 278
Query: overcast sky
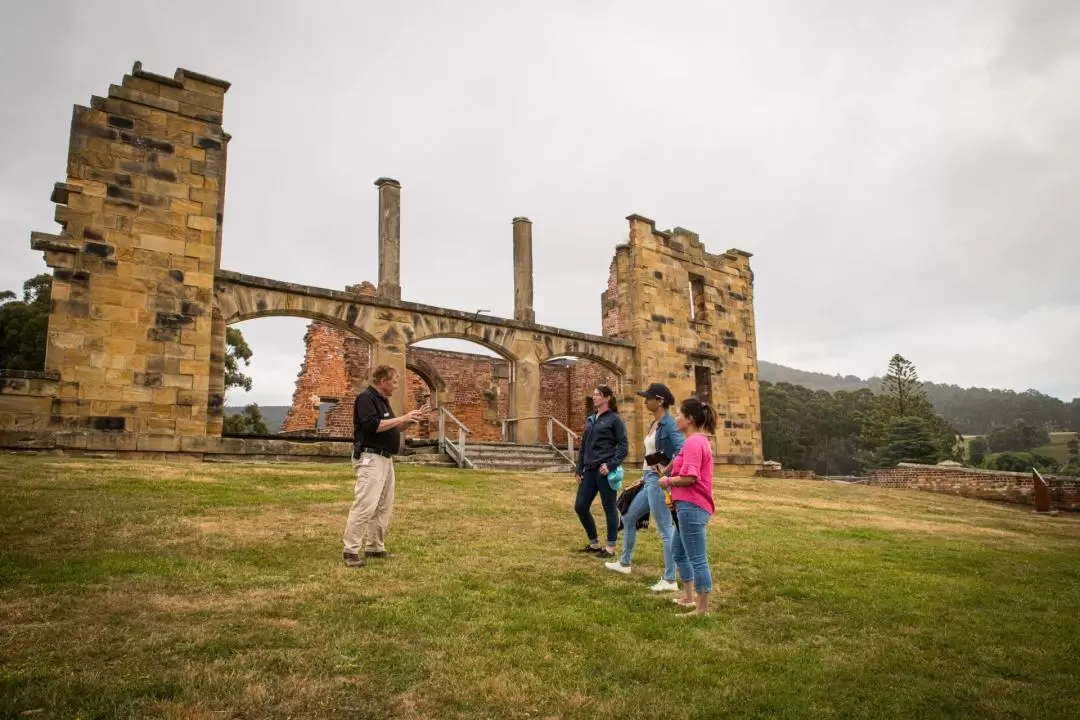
906 174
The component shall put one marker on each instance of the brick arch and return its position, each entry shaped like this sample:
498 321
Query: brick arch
426 372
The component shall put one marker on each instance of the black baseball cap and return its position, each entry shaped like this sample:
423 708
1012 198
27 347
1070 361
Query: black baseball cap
658 391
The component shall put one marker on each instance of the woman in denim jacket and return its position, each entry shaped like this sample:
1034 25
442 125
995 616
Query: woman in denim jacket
664 437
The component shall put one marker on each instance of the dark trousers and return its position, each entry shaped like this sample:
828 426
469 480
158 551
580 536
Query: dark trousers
593 482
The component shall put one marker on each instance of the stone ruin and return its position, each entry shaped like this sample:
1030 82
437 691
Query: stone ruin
136 341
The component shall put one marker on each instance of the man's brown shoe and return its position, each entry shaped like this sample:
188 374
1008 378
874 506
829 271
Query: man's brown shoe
382 554
353 560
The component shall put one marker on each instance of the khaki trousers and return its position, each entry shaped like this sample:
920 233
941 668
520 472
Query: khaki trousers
373 504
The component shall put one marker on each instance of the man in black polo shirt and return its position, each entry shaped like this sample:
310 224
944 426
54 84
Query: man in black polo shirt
376 439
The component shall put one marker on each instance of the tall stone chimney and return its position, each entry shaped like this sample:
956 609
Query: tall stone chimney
523 271
389 238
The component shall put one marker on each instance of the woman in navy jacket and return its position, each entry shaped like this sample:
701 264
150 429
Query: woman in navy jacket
662 437
603 448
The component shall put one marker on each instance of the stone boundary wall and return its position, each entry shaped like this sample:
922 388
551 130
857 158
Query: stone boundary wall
994 485
133 446
787 474
27 399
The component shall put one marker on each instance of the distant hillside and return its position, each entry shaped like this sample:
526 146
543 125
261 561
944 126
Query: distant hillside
771 372
972 411
274 415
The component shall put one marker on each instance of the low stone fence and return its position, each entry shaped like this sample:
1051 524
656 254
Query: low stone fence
1011 487
26 399
787 474
147 446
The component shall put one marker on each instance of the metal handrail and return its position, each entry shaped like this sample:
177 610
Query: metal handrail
456 452
551 422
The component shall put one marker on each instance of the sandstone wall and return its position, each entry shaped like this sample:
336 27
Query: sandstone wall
983 484
690 314
130 333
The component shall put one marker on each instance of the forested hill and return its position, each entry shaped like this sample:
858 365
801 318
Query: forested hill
972 411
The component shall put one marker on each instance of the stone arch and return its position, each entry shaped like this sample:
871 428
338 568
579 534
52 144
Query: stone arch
502 351
592 357
308 314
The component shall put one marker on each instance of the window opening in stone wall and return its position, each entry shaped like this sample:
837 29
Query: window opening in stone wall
697 297
703 384
326 405
590 407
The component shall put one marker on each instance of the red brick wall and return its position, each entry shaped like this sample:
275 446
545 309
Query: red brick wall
477 390
984 484
554 398
322 375
337 365
584 377
612 323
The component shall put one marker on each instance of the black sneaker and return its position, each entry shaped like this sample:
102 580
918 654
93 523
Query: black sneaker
353 560
384 554
590 549
604 554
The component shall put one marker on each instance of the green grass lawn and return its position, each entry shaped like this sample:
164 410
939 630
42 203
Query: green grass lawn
193 590
1058 448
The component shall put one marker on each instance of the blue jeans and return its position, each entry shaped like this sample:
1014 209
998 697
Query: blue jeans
650 501
691 553
592 482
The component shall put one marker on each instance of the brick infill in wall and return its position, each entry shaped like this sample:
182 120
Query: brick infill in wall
1001 486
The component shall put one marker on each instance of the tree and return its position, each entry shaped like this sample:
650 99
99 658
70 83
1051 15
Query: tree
902 384
24 325
1017 437
1022 462
902 396
249 422
236 351
977 450
910 439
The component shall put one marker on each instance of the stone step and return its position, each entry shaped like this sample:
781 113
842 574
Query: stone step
516 449
509 452
427 459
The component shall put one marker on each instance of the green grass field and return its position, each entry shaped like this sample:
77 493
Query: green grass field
195 590
1057 448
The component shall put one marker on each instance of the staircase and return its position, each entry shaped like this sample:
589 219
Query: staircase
508 457
513 457
505 456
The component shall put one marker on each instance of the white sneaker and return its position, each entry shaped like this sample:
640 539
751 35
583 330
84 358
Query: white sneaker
664 586
618 567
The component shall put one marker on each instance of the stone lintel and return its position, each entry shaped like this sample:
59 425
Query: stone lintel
182 73
651 223
743 253
521 219
387 181
62 193
235 278
137 71
56 243
30 374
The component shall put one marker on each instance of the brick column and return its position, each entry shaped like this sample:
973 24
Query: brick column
389 238
523 271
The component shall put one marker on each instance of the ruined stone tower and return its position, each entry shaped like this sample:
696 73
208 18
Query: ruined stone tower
131 332
690 315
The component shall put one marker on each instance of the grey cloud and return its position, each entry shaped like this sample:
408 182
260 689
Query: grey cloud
904 173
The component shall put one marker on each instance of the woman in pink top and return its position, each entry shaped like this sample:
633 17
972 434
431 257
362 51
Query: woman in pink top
690 485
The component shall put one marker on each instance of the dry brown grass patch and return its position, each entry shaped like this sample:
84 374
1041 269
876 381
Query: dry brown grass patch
270 523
